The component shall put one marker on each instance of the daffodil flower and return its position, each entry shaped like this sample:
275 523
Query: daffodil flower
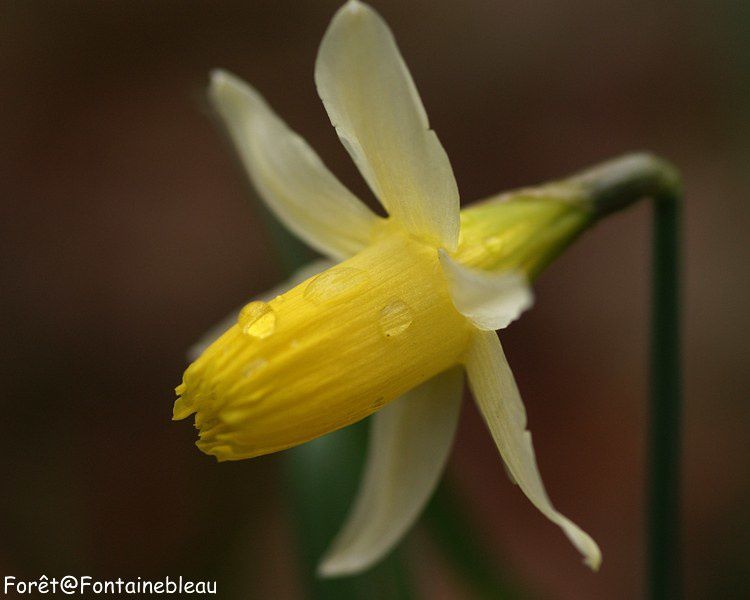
411 302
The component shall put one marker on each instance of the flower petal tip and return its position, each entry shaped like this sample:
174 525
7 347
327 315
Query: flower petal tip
592 555
224 87
216 75
594 561
354 5
219 78
339 566
353 9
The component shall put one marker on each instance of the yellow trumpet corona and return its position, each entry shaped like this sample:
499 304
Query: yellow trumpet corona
327 353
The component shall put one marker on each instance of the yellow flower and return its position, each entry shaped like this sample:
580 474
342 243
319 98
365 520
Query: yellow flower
413 303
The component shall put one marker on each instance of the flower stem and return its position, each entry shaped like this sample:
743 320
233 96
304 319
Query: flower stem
612 186
664 435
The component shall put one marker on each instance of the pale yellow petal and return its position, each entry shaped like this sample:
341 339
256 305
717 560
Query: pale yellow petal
287 173
410 440
489 300
497 397
300 275
374 105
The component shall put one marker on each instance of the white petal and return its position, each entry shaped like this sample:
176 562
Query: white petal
410 440
376 110
300 275
289 176
489 300
497 396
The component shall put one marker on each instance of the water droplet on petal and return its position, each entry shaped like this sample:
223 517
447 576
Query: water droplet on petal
257 319
334 283
395 318
253 367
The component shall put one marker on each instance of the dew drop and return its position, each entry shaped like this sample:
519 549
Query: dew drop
257 319
334 283
395 318
253 367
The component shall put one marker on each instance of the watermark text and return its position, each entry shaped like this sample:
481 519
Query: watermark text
72 585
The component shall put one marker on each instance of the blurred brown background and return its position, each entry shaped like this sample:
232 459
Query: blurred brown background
127 232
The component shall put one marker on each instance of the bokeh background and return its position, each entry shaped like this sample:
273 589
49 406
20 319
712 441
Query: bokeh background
128 229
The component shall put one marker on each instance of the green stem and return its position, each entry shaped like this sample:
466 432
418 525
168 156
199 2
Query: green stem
664 434
612 186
